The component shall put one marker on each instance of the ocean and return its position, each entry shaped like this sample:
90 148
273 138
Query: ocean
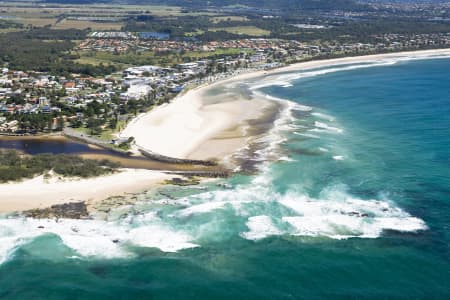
356 206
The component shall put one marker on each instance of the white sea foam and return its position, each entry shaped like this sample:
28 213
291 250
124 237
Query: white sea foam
317 130
341 226
287 85
297 126
340 215
285 80
286 116
8 245
202 208
323 116
292 105
193 221
85 237
276 136
285 158
338 157
327 127
335 214
307 135
159 237
260 227
91 238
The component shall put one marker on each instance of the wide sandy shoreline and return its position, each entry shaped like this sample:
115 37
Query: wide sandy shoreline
188 128
185 128
41 193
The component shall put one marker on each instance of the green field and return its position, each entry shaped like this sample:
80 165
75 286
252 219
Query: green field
62 16
81 24
127 59
244 30
229 18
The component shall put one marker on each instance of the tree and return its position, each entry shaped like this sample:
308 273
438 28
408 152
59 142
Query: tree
60 124
94 126
113 122
76 124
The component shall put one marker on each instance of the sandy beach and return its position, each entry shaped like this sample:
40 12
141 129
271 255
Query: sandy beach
190 128
40 193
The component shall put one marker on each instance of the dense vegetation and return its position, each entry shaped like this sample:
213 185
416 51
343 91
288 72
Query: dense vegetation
162 59
5 24
200 27
15 167
33 122
362 30
174 26
46 50
204 28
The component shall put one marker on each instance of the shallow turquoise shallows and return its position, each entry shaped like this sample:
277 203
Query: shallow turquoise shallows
357 206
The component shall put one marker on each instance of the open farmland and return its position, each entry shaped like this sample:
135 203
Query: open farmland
84 24
243 30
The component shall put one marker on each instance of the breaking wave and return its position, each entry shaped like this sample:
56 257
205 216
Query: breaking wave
93 238
253 211
285 80
323 126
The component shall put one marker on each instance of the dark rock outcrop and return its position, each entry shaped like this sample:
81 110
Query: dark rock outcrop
73 210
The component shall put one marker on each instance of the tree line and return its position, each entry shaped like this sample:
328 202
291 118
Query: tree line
46 50
14 167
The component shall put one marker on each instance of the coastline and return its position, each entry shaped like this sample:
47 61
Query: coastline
189 128
198 126
205 123
307 65
39 192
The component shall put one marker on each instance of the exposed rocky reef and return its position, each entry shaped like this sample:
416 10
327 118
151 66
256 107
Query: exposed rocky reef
73 210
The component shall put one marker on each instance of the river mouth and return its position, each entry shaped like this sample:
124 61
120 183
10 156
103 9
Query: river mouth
34 145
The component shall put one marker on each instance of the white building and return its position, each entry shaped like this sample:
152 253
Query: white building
136 92
139 71
188 66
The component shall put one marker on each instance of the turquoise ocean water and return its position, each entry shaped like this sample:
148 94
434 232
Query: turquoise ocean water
357 206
